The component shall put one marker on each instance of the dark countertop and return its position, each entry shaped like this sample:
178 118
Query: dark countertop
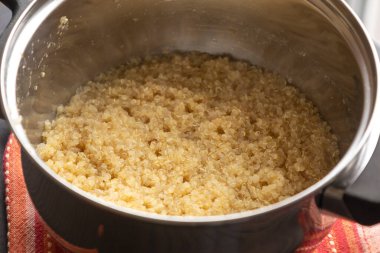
4 133
5 16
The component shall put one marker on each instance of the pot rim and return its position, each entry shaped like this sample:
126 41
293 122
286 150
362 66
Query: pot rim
368 123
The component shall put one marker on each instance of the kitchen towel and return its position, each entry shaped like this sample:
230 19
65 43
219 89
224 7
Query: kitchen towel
27 234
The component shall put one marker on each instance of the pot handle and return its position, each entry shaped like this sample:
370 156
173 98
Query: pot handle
16 6
360 201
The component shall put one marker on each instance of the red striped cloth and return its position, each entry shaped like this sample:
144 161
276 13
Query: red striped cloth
28 235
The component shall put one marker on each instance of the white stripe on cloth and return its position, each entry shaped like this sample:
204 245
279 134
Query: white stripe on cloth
30 235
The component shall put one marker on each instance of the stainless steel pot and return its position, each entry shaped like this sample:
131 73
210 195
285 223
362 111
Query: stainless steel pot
319 45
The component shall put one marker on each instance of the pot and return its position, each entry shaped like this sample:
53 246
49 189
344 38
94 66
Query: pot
52 47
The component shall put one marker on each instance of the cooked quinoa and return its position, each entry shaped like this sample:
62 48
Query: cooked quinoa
189 134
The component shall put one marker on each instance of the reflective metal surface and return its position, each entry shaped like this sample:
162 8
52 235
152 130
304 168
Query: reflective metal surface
310 42
318 45
289 37
321 61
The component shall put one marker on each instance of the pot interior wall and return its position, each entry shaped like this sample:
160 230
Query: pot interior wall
289 37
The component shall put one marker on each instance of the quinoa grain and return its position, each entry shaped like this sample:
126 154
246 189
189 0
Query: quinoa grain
189 134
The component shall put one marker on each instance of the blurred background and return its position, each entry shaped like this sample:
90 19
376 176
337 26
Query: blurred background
5 16
367 10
